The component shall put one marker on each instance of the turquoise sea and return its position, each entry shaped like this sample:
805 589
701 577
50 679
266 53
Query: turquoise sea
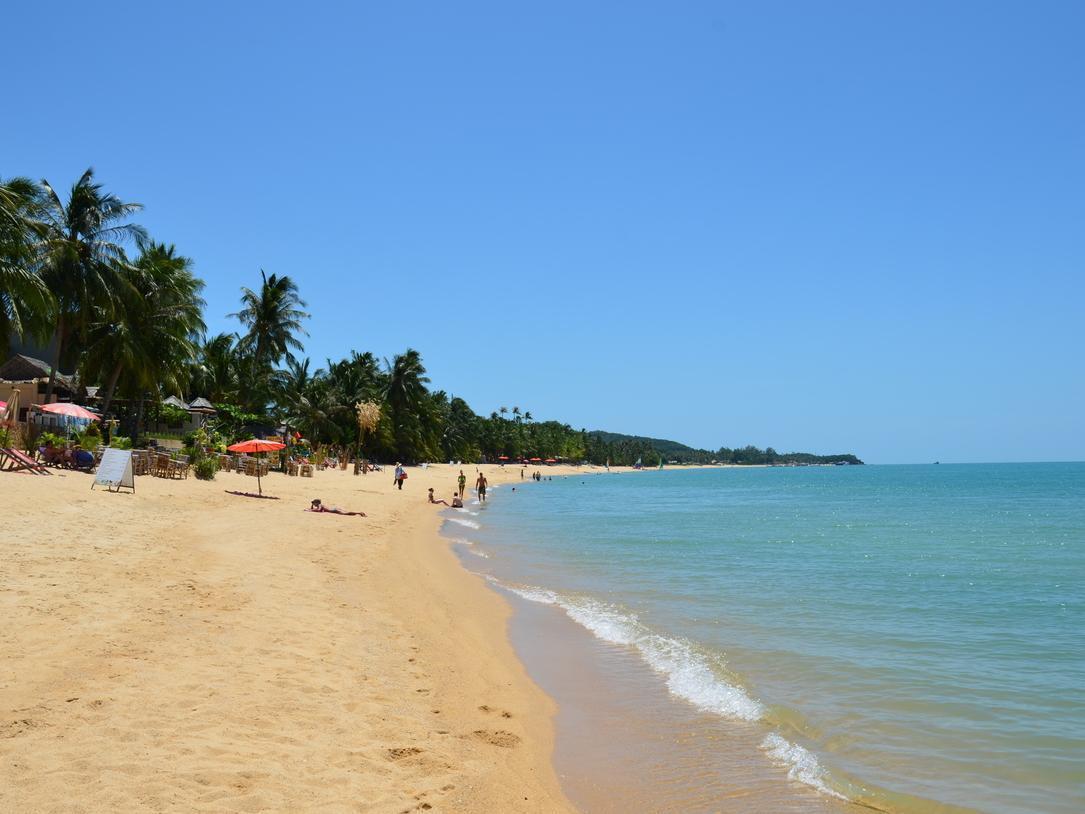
912 637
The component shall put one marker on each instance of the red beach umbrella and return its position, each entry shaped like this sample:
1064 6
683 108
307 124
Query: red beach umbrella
256 445
536 459
550 461
502 457
70 410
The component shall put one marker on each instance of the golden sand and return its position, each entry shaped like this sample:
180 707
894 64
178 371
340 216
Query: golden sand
185 649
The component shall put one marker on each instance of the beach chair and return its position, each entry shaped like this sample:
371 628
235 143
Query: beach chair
162 465
14 460
307 470
292 468
179 467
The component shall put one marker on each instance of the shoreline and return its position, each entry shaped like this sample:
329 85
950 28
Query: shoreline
623 739
183 648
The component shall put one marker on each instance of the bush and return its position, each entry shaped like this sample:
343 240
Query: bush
47 438
121 442
172 416
205 468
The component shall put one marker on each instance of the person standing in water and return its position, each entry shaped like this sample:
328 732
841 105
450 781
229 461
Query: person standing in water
462 481
480 485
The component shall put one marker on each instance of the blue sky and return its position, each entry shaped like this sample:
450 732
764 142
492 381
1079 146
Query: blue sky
841 226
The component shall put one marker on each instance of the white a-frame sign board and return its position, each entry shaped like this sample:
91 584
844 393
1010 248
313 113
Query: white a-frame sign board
115 470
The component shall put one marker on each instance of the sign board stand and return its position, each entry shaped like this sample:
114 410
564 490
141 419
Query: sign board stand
115 470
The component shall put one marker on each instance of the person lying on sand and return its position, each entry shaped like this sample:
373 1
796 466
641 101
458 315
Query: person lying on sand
434 500
317 506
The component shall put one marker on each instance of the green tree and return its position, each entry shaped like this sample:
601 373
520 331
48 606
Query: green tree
25 301
273 319
408 407
151 333
83 245
215 374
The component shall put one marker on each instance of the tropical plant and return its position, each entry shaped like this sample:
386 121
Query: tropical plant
151 333
83 253
25 301
367 415
273 319
215 375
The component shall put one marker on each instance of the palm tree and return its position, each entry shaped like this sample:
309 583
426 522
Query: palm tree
84 243
406 396
273 317
25 301
215 373
152 333
303 401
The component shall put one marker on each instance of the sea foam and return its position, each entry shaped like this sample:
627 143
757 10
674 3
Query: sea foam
463 521
688 673
800 763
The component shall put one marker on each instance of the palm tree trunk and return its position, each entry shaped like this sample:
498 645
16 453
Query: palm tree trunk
139 420
108 398
56 359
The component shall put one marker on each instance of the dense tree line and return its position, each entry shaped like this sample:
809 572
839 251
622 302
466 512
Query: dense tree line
125 313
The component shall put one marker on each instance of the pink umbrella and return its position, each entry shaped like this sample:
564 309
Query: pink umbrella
3 405
70 410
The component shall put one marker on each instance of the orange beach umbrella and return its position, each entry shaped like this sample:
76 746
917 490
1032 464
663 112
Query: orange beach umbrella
256 445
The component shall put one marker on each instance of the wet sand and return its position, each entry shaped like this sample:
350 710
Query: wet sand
625 744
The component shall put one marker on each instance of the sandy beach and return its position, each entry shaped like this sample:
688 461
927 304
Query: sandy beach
182 648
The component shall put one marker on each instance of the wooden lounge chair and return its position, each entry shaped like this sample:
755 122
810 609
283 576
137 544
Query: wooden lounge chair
14 460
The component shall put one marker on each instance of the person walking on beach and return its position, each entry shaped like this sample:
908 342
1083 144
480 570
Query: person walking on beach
400 476
480 485
462 481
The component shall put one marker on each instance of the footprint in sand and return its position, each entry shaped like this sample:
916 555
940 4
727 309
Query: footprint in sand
403 752
486 708
497 737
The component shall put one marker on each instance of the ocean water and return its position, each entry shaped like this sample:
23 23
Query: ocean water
908 637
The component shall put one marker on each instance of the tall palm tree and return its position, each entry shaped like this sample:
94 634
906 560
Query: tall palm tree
406 396
84 242
25 301
303 401
152 333
273 316
215 373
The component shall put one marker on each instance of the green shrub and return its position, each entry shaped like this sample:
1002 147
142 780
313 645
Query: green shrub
47 438
121 442
205 468
172 416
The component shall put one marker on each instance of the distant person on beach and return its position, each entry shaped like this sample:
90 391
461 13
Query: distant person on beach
400 476
320 508
521 473
432 499
480 485
462 481
457 501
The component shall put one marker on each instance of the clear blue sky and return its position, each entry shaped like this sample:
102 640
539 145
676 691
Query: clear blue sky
840 226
